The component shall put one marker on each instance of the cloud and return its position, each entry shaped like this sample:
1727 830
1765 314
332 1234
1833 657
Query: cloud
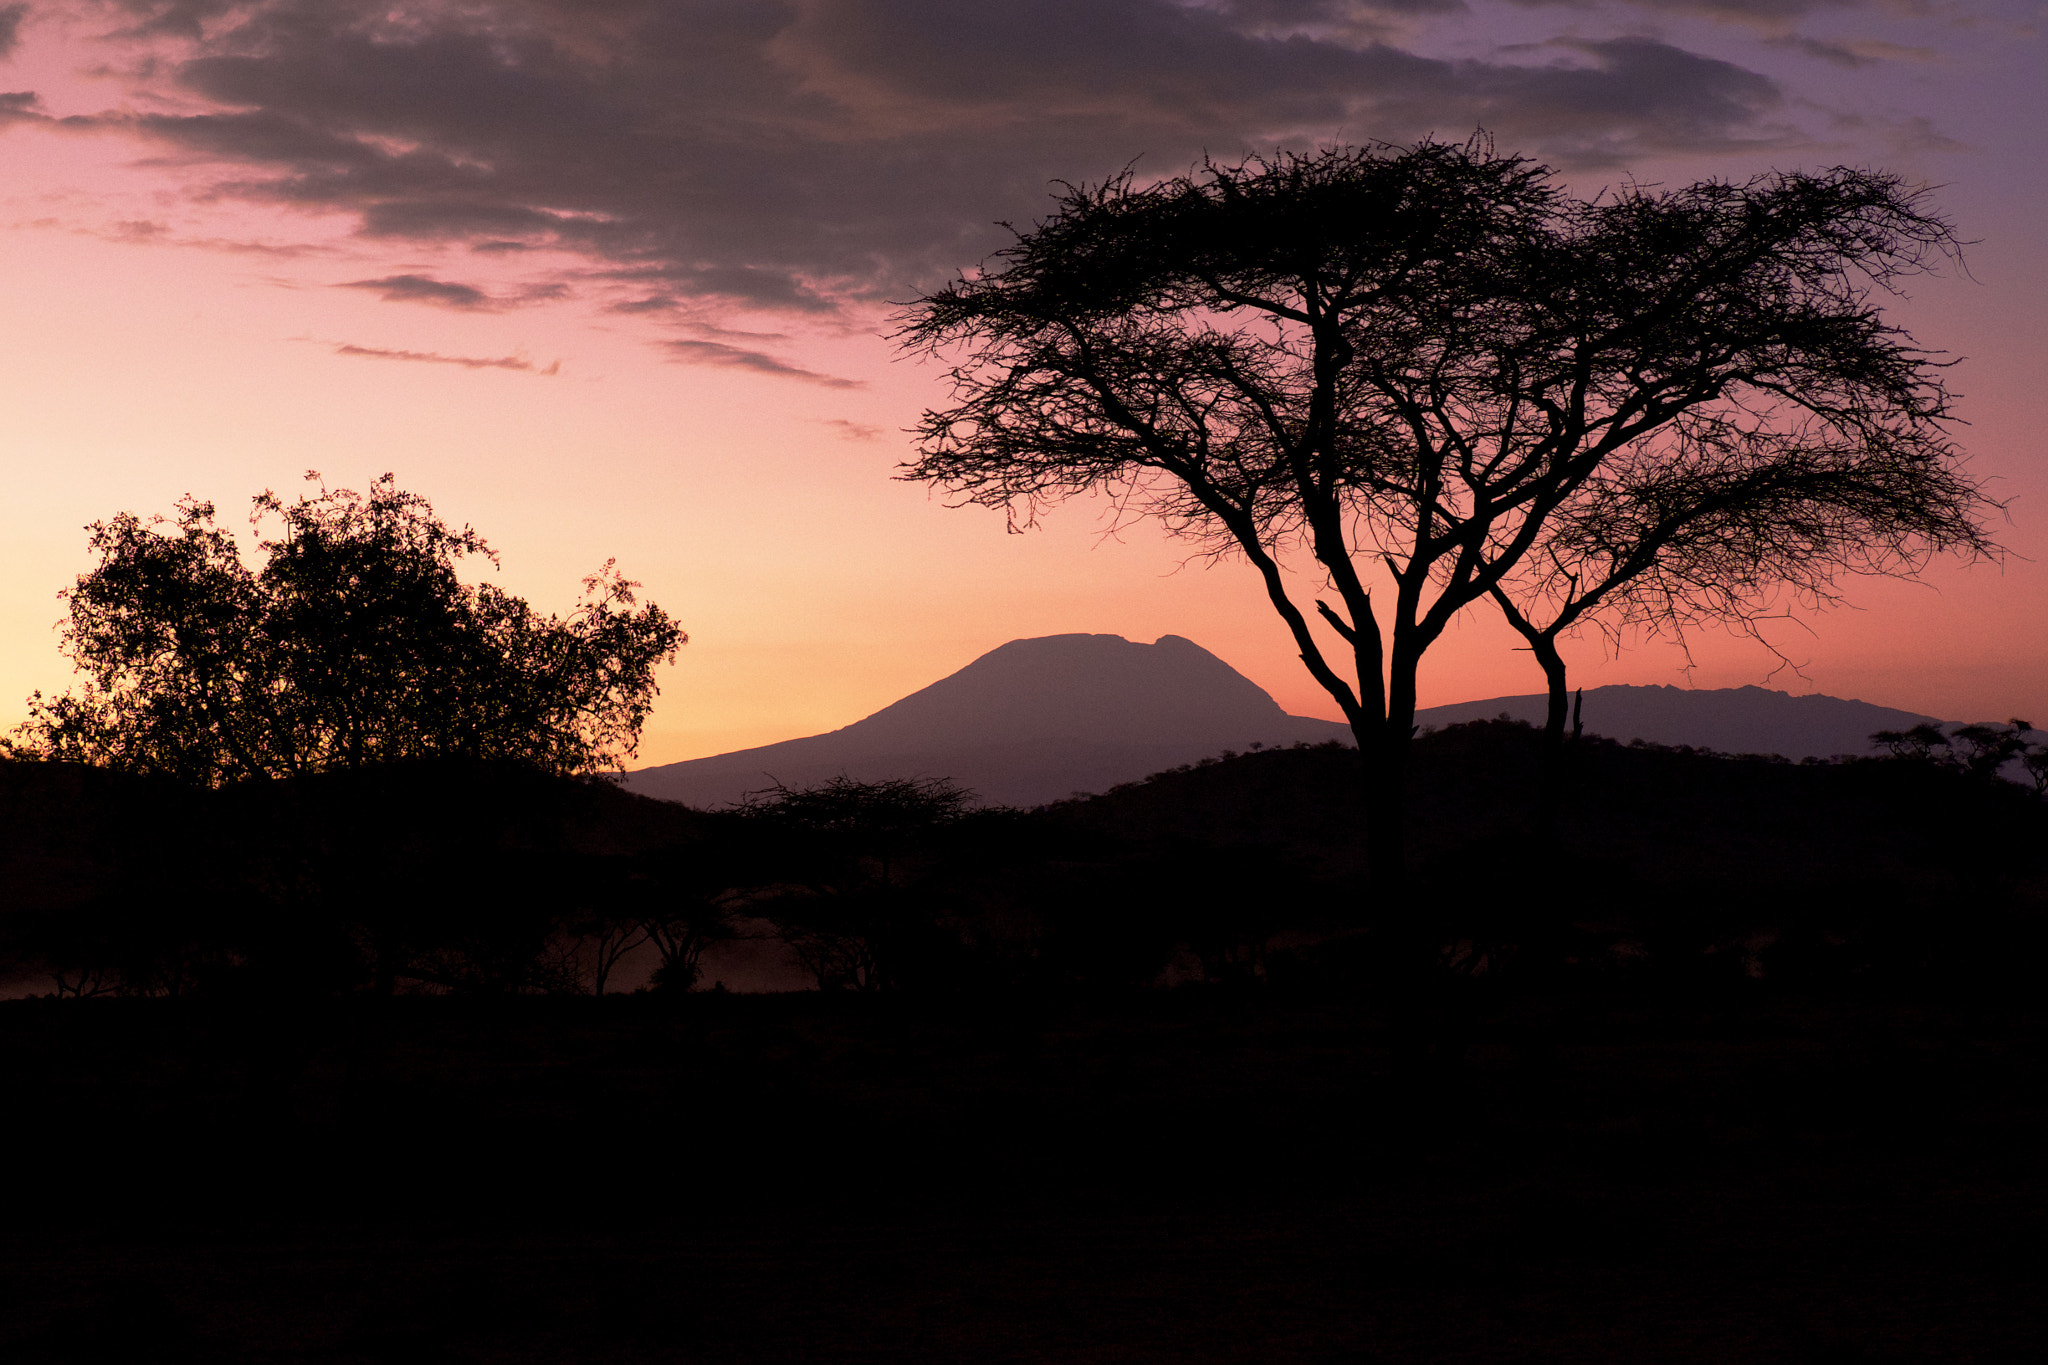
734 357
20 106
152 232
1658 98
509 362
420 289
465 298
1770 16
798 156
851 431
10 27
1854 54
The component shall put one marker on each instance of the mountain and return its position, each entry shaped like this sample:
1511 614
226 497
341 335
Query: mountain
1038 720
1735 720
1028 722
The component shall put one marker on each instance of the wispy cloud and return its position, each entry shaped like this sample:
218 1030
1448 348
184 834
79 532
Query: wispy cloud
760 362
152 232
1854 54
421 289
849 430
467 362
465 298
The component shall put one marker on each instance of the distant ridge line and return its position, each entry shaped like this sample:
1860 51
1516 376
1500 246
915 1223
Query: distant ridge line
1038 720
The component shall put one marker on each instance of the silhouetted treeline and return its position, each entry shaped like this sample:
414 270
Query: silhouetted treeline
488 877
1737 1035
1661 867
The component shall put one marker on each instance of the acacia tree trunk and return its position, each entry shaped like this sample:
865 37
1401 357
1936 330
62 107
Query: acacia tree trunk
1415 1005
1550 777
1384 745
1383 774
1556 715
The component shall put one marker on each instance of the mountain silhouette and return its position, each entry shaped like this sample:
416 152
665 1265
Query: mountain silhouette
1041 719
1734 720
1028 722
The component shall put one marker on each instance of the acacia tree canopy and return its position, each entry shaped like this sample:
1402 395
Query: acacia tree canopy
1433 370
356 642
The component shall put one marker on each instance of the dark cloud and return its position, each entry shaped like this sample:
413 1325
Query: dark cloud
19 106
760 362
420 289
509 362
849 430
1655 98
10 27
797 156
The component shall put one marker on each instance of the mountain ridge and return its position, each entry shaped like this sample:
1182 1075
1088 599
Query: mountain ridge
1043 718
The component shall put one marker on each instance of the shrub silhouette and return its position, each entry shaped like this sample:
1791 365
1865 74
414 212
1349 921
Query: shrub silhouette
354 643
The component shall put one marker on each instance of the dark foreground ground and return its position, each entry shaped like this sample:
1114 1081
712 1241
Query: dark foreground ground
1190 1175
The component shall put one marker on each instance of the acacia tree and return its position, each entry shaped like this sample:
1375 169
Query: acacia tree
852 914
1980 751
1719 523
356 642
1428 368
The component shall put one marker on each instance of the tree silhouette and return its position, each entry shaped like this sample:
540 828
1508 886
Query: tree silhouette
355 643
1433 370
1719 522
847 907
1980 751
683 903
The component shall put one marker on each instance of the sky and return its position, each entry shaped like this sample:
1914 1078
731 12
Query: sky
615 279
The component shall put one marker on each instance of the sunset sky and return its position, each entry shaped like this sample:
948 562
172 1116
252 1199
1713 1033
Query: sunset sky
612 279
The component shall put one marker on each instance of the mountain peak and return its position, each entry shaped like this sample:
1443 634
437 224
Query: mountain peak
1032 720
1089 687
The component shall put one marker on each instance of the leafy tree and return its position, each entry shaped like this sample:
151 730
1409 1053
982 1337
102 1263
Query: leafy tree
1431 370
356 642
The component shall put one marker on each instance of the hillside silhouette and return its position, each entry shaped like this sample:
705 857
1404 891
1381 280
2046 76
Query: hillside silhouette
491 878
144 886
1142 1088
437 1060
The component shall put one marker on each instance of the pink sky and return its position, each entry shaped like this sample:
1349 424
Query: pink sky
611 280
